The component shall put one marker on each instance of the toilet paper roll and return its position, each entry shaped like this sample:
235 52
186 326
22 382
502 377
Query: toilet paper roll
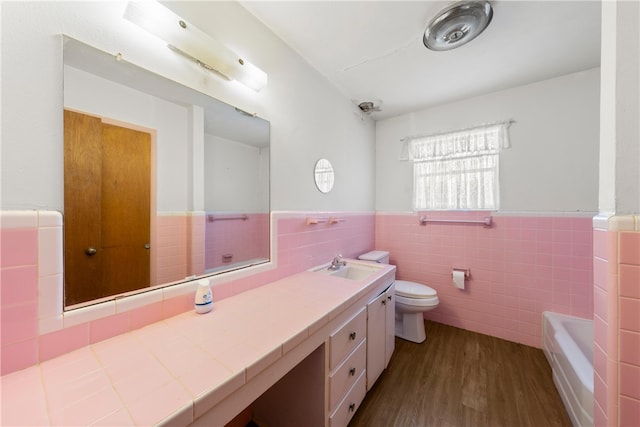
458 279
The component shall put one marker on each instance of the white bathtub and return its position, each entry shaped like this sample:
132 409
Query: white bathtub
568 345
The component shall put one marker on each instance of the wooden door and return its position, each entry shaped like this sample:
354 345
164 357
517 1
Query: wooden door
107 207
126 155
82 206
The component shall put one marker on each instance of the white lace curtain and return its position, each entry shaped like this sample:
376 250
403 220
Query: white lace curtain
457 170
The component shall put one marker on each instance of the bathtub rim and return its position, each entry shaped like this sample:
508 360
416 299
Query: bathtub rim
557 342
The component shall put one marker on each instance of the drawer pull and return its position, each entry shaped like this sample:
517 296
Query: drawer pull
352 336
389 297
352 372
352 407
384 302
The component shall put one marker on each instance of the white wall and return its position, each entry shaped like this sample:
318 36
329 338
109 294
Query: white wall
233 178
309 118
620 109
552 165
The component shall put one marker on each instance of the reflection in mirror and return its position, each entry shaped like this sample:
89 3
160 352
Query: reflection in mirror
236 188
323 174
162 183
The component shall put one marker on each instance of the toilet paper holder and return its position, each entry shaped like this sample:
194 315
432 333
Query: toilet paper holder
466 271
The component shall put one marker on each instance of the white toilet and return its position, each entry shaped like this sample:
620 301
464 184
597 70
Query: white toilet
412 299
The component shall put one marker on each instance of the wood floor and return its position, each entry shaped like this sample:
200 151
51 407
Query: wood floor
459 378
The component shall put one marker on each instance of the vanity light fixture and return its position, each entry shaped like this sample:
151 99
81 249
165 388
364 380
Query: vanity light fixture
190 41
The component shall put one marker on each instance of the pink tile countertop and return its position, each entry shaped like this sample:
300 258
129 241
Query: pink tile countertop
170 370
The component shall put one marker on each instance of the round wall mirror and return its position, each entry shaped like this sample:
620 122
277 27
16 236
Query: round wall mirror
323 174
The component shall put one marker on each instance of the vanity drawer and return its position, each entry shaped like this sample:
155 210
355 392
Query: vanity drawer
345 339
349 405
347 374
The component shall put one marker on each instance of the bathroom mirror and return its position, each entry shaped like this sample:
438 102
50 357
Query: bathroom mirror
162 182
323 175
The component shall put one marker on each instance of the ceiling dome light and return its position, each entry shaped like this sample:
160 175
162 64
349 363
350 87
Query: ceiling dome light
458 24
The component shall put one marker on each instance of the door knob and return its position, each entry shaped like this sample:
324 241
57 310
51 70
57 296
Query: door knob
147 246
90 251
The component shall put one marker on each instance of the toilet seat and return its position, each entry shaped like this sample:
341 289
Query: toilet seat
418 302
414 290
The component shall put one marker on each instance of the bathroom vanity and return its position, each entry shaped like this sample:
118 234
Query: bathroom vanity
297 351
325 376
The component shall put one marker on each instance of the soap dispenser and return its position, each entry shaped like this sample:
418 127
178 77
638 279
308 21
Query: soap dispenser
204 298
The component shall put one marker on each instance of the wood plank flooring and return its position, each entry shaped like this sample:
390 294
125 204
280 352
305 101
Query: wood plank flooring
459 378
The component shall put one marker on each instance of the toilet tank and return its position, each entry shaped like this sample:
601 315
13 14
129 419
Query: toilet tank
381 257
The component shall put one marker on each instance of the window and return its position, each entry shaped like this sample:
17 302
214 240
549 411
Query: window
458 170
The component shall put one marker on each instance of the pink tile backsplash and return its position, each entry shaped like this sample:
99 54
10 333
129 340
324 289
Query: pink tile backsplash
102 329
19 247
19 322
521 266
63 341
18 298
19 355
146 315
19 285
23 345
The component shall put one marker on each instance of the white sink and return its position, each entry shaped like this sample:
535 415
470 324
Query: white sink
352 271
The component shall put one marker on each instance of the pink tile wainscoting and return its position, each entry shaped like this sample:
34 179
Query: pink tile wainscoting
605 325
241 239
19 293
616 260
629 323
170 249
32 253
520 267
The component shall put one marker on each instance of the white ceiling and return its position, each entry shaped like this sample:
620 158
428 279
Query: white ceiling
373 50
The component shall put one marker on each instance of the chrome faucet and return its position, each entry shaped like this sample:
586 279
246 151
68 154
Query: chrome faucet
337 263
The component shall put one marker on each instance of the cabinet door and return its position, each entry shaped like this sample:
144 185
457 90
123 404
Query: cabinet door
390 329
376 338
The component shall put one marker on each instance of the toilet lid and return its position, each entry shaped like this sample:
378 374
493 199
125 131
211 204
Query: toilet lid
414 290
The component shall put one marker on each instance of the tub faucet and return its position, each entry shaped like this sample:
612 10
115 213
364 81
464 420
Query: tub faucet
337 263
